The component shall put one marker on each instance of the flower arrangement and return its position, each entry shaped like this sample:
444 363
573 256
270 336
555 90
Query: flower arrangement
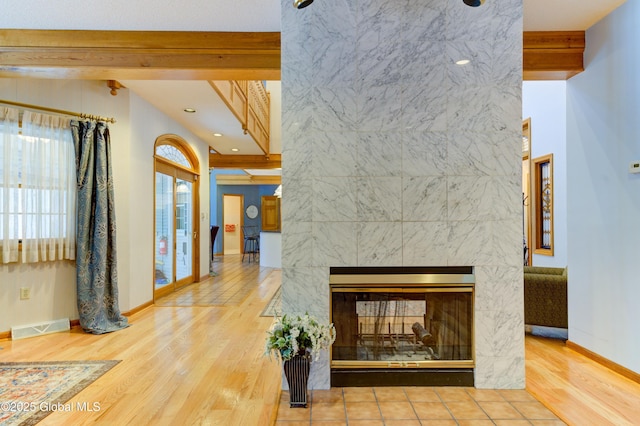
291 335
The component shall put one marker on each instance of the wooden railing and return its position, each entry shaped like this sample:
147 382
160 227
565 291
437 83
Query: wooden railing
249 102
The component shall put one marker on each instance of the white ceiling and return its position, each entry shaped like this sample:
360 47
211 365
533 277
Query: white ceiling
211 116
565 15
171 97
147 15
242 15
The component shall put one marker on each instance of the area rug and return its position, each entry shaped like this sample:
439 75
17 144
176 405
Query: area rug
29 391
274 307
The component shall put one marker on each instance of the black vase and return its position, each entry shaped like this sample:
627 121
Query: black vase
296 370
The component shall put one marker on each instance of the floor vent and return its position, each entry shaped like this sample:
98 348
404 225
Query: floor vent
47 327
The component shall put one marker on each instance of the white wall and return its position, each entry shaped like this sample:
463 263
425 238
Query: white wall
546 103
53 293
153 124
603 198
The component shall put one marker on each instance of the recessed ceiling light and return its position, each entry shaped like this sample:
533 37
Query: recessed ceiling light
189 110
217 135
235 149
463 62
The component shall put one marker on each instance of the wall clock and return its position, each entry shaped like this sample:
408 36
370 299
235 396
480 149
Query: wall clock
252 212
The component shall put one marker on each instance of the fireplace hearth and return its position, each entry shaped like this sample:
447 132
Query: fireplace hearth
402 326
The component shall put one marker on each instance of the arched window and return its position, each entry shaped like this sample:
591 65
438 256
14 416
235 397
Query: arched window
172 153
176 150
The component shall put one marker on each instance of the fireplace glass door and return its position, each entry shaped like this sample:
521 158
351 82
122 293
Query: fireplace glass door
413 327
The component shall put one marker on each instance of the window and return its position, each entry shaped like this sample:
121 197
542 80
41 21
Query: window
543 207
37 188
172 153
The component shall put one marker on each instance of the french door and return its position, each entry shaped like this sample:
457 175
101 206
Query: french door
175 228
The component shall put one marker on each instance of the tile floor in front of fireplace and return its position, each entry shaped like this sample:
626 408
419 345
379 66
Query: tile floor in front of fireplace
409 406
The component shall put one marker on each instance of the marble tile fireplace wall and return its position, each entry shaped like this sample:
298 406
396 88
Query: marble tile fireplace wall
393 155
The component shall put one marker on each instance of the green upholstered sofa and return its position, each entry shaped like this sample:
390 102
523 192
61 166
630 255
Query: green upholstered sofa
545 296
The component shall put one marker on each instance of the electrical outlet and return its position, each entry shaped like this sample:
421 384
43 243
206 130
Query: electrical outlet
25 293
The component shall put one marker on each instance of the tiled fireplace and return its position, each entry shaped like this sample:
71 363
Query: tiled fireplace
394 156
414 322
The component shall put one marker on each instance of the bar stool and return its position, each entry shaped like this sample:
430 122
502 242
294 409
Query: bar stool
251 242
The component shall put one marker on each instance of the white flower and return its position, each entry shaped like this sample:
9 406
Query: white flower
290 335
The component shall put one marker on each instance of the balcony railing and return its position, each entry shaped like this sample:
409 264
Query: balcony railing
249 102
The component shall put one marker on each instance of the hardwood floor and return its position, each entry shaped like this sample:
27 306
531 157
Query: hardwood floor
196 358
184 365
577 389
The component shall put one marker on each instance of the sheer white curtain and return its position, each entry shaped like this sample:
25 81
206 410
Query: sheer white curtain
41 210
48 188
9 118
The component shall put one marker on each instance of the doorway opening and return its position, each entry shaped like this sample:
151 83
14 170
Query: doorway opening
232 217
176 228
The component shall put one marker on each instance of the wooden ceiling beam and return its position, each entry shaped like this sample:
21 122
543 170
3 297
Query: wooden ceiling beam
148 55
273 161
194 55
248 180
552 55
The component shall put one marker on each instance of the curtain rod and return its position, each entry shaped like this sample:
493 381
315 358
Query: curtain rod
59 111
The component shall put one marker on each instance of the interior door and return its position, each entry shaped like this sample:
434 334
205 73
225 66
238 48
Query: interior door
175 229
232 219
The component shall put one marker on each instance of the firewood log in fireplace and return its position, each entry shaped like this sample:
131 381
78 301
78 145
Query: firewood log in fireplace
422 334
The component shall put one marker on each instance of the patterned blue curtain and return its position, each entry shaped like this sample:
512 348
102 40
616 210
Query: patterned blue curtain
96 267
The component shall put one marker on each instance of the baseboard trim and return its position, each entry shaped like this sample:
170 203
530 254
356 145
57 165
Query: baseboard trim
623 371
138 309
75 323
